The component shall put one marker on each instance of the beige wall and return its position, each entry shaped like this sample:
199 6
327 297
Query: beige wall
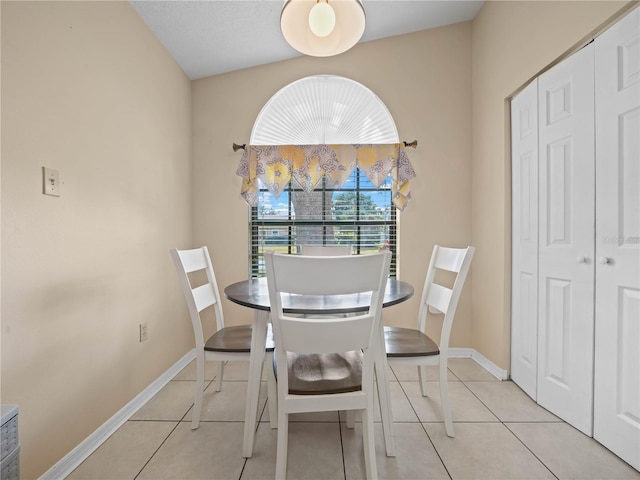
424 79
512 42
88 90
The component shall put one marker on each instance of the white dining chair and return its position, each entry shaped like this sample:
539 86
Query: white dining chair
231 343
325 250
326 364
412 346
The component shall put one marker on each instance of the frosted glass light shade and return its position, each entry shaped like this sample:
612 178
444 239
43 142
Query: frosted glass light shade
348 29
322 19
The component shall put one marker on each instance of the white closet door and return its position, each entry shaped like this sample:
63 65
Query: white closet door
617 343
524 248
566 269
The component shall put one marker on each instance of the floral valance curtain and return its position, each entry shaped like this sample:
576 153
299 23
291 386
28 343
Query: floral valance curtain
276 165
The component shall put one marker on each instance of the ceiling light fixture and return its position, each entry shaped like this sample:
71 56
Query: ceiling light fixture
322 28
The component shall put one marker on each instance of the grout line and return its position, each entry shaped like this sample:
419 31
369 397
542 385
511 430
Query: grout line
444 465
452 372
344 463
480 400
157 449
529 450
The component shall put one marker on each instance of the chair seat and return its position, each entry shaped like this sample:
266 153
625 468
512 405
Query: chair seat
236 339
408 342
316 374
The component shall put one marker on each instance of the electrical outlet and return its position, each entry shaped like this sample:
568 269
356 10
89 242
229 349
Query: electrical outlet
143 332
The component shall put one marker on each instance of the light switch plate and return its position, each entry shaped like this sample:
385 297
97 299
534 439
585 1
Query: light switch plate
50 182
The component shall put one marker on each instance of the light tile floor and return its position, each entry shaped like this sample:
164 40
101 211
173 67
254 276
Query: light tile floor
500 435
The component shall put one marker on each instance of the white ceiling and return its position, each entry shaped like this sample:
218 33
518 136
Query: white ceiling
209 37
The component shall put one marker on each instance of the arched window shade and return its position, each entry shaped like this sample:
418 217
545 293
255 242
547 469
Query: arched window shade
324 125
324 109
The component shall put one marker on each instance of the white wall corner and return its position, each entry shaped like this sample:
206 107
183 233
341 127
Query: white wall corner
484 362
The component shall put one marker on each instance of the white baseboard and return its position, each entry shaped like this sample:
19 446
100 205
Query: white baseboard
79 454
481 360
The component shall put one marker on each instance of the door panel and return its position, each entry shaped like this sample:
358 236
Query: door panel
556 360
524 248
566 244
617 314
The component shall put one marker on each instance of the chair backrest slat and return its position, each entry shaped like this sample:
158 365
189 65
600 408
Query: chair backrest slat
204 296
450 259
335 335
325 250
193 260
439 297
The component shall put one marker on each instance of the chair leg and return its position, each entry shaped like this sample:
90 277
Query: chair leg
197 406
368 442
444 399
272 390
218 386
382 384
283 440
422 378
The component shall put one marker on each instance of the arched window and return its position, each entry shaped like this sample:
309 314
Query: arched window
324 109
316 110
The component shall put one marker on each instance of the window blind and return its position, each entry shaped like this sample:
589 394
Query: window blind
358 214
